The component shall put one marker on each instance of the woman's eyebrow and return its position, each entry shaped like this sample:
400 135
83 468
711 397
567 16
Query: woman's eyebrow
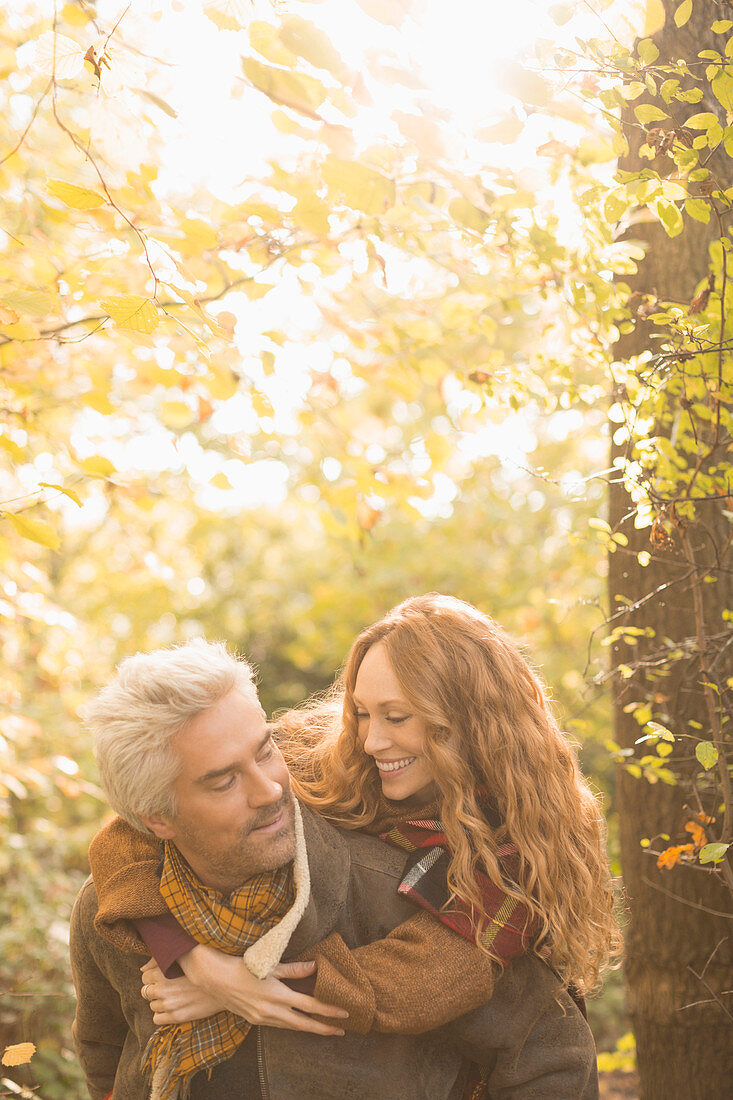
384 702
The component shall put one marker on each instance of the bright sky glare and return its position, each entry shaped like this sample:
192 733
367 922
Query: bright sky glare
223 137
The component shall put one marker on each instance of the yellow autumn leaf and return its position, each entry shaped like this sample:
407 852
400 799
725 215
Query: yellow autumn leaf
655 17
18 1054
176 414
221 382
58 55
255 290
74 15
525 84
61 489
97 466
132 311
80 198
37 530
220 481
683 13
8 316
506 131
228 15
264 38
37 303
304 39
296 90
469 215
358 186
14 449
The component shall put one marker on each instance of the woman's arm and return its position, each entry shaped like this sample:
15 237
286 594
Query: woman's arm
417 978
420 976
216 981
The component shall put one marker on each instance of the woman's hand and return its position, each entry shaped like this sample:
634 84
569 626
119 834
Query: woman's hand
223 982
175 1000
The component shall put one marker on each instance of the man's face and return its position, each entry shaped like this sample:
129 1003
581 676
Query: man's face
235 810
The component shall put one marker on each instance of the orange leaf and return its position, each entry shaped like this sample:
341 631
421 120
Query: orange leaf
18 1054
671 856
698 834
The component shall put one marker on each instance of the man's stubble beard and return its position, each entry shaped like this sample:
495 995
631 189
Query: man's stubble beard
248 858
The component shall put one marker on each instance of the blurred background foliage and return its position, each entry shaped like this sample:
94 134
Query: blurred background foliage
266 411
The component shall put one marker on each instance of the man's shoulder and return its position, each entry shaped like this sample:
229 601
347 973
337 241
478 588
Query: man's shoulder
362 851
85 906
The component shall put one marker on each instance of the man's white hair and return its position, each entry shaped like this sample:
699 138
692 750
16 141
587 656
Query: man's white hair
134 718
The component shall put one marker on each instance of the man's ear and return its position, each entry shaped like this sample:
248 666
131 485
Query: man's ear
159 825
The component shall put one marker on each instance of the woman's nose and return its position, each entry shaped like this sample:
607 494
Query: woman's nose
377 737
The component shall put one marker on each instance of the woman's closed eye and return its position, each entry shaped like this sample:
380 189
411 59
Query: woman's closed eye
394 719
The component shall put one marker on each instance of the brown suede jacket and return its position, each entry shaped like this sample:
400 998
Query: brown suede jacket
530 1036
390 985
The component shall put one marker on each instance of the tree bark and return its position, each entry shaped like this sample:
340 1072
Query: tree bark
680 920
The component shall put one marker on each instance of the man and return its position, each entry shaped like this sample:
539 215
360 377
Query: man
185 753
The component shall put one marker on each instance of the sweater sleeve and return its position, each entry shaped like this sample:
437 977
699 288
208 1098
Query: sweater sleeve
126 871
418 977
166 941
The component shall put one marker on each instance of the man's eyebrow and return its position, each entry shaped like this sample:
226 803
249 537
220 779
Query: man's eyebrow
217 773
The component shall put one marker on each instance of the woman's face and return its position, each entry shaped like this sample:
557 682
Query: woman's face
389 729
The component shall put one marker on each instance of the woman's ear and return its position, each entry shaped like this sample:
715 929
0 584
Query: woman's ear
159 825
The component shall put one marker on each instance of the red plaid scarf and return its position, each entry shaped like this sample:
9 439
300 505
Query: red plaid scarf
509 926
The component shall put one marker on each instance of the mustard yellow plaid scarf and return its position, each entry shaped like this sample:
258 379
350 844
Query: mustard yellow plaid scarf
178 1051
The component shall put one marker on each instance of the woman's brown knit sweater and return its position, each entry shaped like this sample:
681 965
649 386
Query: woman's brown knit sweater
420 976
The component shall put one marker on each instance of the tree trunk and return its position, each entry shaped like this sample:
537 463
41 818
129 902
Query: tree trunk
680 919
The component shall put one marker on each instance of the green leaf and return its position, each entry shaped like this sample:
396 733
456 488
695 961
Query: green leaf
614 206
683 13
658 730
647 51
713 853
633 90
80 198
698 209
133 312
707 754
722 86
37 530
670 217
648 113
703 121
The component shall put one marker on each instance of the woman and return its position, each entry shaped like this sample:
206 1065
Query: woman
440 738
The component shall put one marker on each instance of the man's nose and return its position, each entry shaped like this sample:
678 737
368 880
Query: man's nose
262 790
